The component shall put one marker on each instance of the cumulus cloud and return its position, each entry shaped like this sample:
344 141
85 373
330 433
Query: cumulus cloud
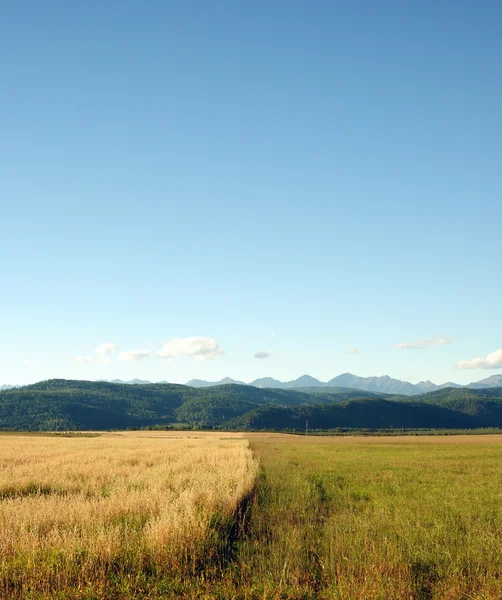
133 355
492 361
352 350
100 355
422 344
263 354
198 348
102 352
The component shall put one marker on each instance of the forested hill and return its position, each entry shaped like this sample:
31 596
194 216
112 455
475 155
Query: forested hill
72 404
67 404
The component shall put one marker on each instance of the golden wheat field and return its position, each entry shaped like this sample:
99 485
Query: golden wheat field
77 512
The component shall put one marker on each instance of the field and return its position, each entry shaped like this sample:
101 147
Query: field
387 518
160 516
111 516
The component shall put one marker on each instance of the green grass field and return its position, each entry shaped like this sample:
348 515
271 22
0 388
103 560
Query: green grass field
387 518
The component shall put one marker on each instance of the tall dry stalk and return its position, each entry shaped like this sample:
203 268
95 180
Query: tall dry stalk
74 509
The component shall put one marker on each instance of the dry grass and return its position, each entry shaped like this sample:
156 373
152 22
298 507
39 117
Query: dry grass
77 512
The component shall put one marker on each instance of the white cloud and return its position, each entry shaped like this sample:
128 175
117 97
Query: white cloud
134 355
353 351
198 348
263 354
29 364
85 359
422 344
492 361
100 355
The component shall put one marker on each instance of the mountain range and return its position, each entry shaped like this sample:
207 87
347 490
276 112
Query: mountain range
383 384
379 385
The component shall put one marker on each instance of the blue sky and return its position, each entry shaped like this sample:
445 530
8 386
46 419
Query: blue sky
208 180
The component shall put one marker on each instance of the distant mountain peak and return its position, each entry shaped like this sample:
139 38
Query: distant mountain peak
199 383
304 381
492 381
265 382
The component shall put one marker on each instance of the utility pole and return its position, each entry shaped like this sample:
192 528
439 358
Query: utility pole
306 427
